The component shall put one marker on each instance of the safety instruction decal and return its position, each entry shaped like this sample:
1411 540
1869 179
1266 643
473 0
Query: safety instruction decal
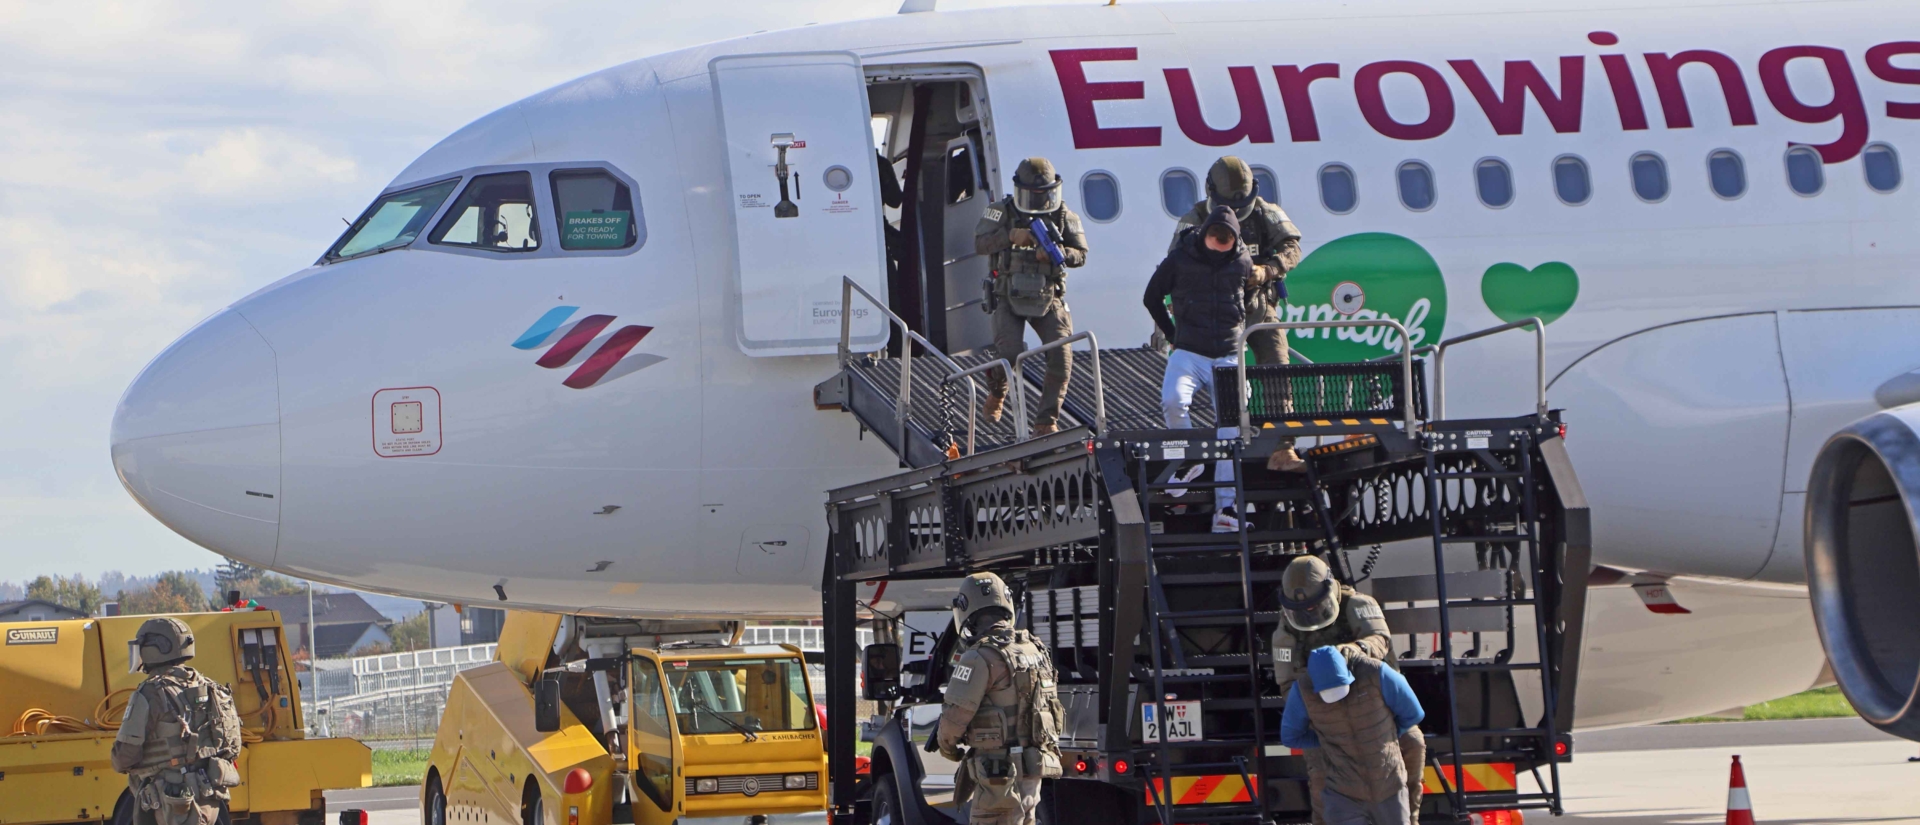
406 422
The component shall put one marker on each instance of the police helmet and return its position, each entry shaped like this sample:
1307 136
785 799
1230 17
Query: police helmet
163 640
979 593
1036 187
1309 596
1230 183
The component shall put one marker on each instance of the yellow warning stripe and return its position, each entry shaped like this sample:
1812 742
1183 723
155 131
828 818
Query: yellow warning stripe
1486 776
1203 790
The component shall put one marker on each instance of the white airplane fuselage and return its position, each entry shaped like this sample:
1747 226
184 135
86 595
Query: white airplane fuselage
1703 345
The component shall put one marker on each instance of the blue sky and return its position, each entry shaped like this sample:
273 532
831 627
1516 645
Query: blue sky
160 159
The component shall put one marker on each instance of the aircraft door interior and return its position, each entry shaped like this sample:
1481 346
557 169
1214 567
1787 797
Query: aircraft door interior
931 129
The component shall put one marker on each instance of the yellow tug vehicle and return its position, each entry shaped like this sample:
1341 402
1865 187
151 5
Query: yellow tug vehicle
595 721
64 688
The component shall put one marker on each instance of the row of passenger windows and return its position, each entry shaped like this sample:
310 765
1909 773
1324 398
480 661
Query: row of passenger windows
1494 183
496 212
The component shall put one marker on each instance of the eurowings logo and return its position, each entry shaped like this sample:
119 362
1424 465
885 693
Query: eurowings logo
607 363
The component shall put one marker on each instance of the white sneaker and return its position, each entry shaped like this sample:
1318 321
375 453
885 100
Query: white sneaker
1192 473
1224 522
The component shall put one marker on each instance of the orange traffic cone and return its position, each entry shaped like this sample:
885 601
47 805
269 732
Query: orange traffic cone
1739 807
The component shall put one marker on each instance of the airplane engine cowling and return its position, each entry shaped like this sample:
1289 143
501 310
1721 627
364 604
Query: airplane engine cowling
1863 564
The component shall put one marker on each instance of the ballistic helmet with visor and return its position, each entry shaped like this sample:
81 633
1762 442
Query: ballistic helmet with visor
979 593
1230 183
1309 596
163 640
1036 187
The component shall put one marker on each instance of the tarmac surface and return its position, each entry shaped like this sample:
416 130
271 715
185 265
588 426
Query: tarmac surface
1837 771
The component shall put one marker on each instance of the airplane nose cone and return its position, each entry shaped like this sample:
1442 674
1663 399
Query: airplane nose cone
196 439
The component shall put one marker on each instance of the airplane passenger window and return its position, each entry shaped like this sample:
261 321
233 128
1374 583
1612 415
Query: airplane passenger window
1649 177
1727 174
595 210
1266 185
960 178
1178 191
1882 167
1339 193
1416 186
496 212
1494 180
1803 171
392 221
1100 196
1570 180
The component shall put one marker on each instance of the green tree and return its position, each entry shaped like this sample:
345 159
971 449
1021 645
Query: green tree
173 592
74 593
412 634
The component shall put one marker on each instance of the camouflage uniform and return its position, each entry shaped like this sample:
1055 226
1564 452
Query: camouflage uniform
1002 703
1359 631
180 737
1026 288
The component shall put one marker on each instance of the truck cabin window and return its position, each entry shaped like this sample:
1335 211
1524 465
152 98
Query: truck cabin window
495 212
393 221
595 210
739 695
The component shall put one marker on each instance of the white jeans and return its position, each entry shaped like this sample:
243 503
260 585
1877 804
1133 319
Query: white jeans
1189 373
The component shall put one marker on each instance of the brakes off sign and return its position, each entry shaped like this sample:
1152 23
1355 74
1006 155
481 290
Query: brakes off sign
33 635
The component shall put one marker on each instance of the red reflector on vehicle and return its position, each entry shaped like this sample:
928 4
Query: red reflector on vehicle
1119 766
353 816
578 781
1080 766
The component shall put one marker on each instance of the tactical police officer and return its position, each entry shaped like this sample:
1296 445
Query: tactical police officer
1320 611
1274 244
1028 285
1002 705
181 735
1272 240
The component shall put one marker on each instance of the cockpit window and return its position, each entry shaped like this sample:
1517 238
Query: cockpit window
595 210
496 212
392 221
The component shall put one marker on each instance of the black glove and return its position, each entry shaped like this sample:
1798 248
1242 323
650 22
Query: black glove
933 743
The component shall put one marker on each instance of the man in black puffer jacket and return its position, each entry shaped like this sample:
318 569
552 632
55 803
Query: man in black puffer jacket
1204 274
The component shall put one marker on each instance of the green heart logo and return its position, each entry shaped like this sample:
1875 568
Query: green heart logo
1514 292
1365 276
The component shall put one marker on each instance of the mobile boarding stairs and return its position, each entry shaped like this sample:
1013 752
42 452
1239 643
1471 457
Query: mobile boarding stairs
1103 531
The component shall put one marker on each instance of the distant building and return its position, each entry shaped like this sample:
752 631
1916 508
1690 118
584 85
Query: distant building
35 610
481 625
343 623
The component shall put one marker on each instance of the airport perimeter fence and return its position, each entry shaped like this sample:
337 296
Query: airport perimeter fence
394 701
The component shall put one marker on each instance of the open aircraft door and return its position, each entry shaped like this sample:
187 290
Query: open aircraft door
804 198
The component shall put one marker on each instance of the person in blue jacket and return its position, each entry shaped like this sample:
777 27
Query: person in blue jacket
1355 710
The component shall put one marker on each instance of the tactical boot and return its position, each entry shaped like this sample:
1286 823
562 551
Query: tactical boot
1044 428
995 403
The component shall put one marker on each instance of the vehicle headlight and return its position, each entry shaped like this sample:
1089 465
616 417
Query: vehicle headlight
706 785
796 782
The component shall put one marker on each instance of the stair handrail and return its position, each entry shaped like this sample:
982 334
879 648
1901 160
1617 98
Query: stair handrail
1099 387
902 404
1406 362
1539 363
997 363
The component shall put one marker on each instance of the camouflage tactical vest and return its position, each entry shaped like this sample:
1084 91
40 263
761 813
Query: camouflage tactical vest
1027 717
192 738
